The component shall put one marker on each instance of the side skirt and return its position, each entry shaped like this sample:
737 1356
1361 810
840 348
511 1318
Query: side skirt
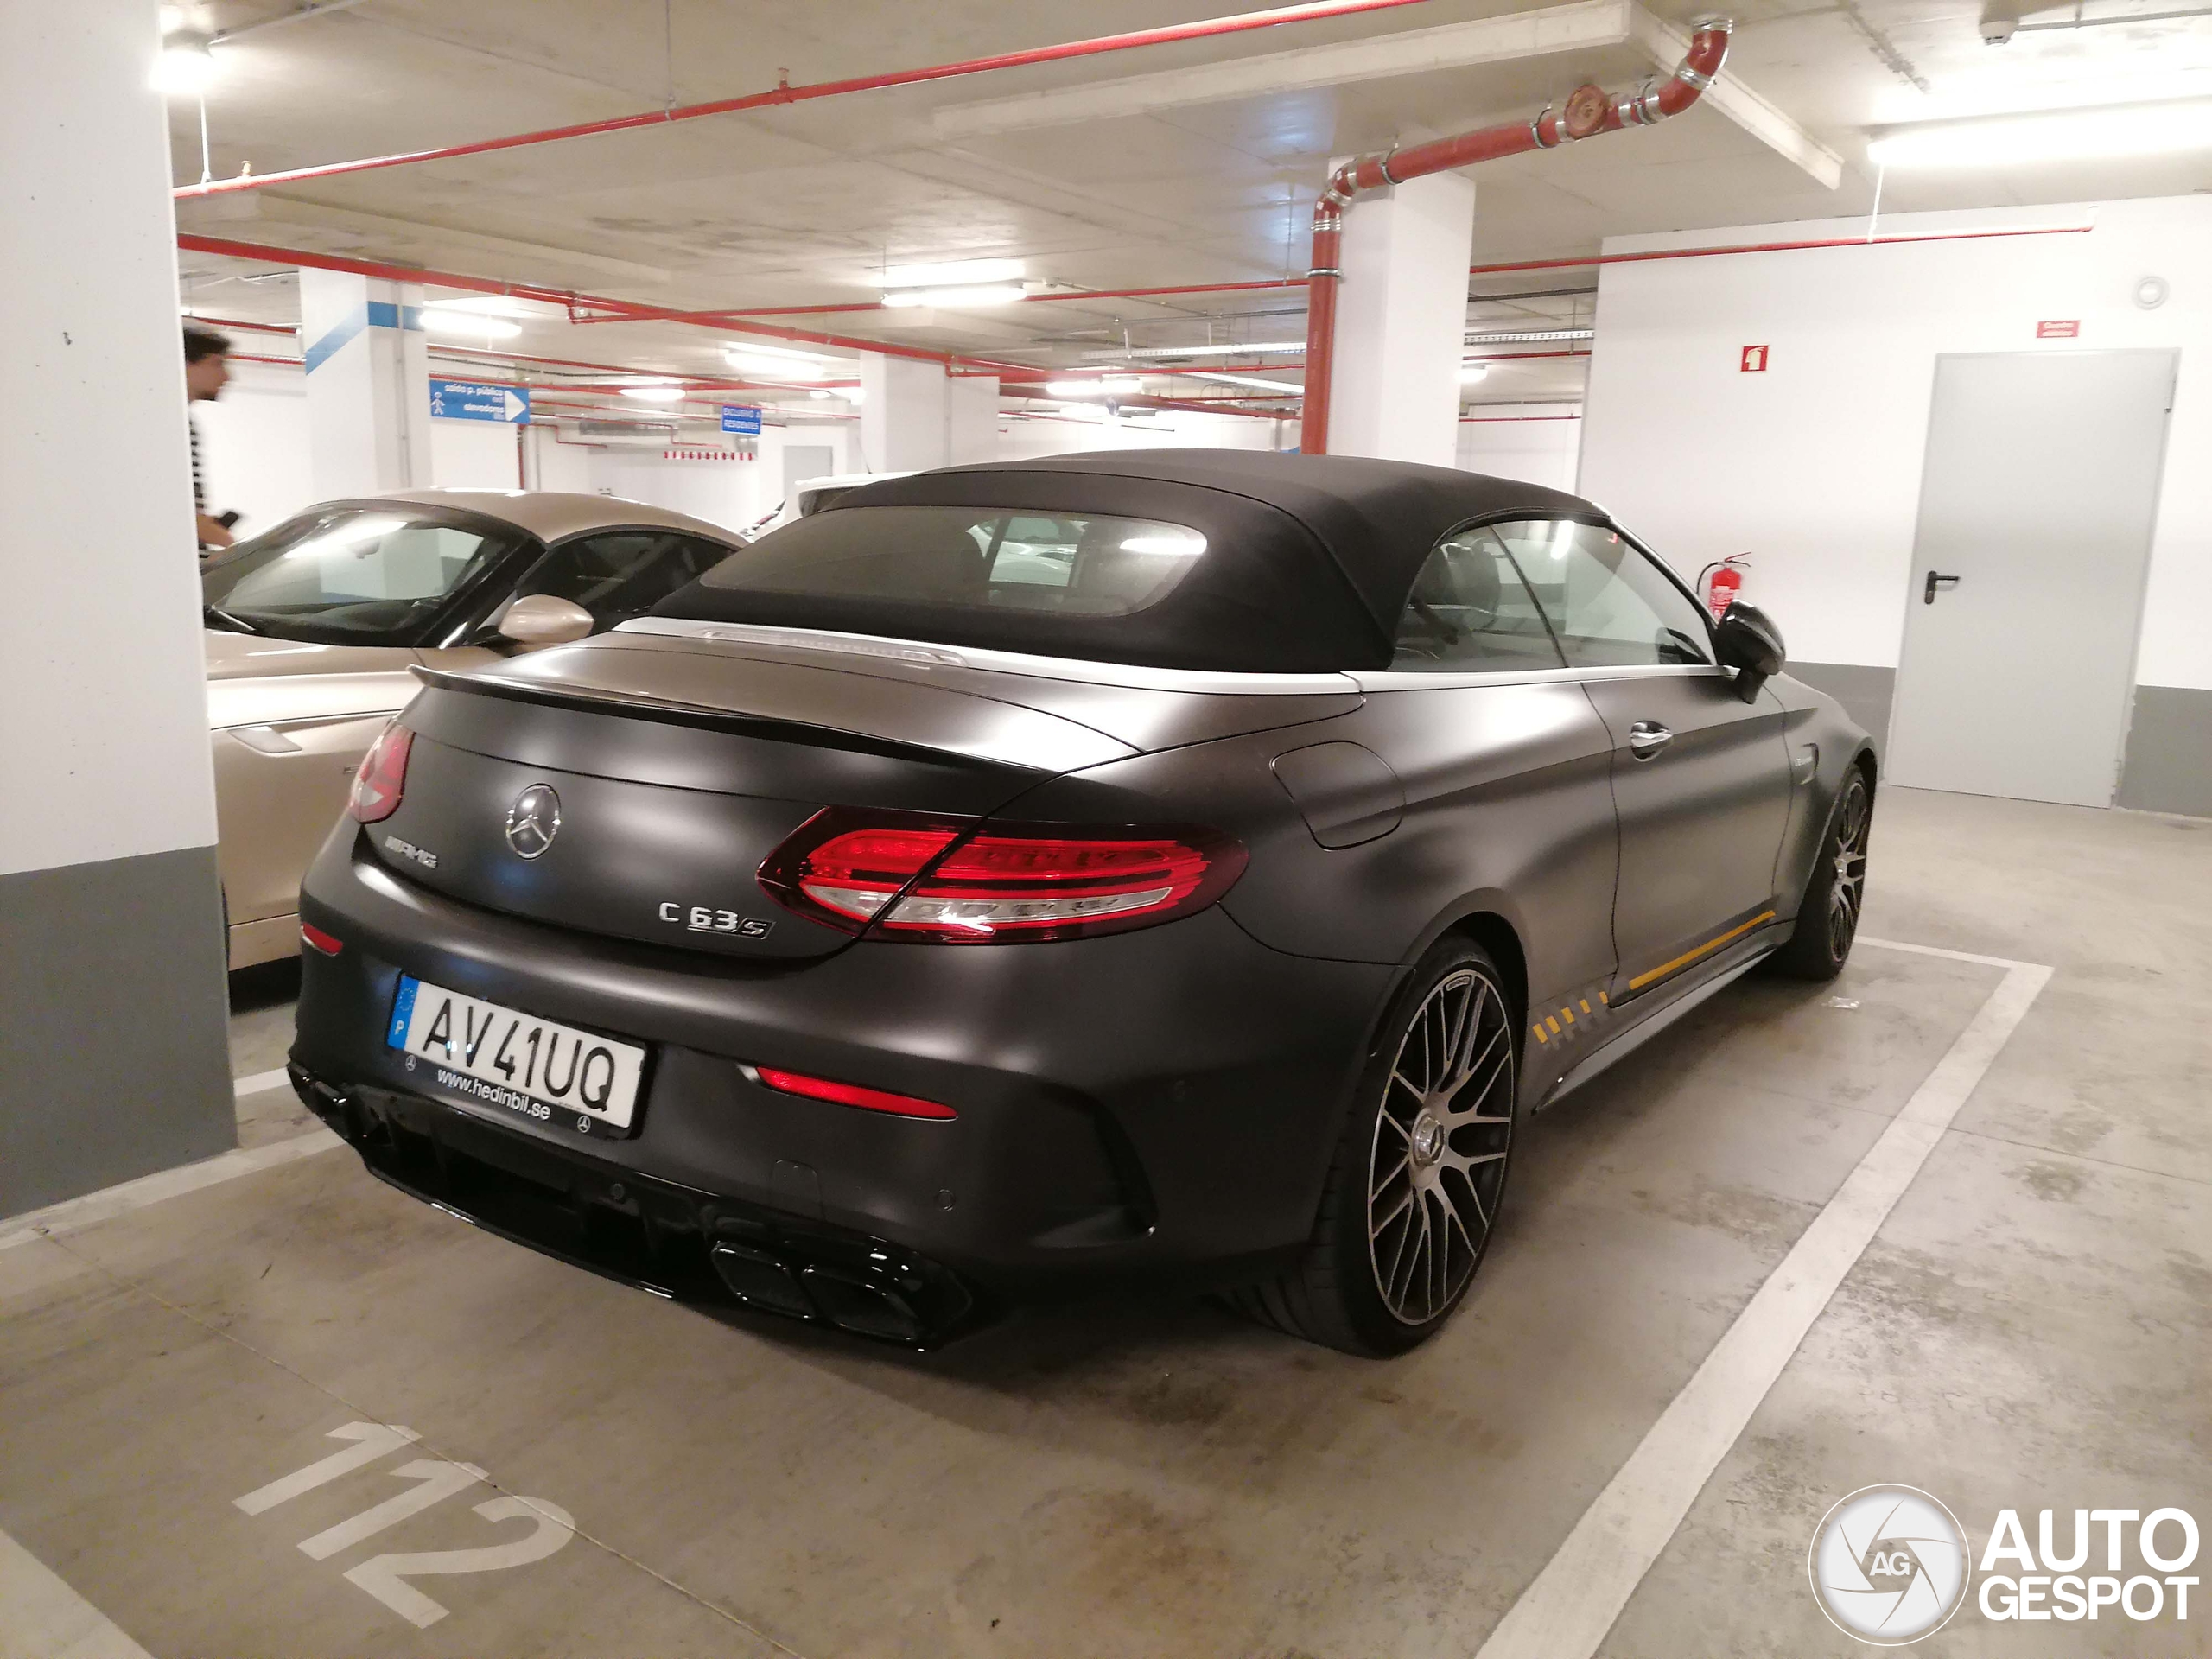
1651 1025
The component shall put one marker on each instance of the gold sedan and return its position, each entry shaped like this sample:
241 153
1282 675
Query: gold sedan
313 626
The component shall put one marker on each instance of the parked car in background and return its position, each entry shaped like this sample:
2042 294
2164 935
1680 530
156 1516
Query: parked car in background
314 626
811 495
1185 862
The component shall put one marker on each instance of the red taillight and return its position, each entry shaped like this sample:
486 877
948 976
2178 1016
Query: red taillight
842 867
850 1094
383 775
934 879
329 943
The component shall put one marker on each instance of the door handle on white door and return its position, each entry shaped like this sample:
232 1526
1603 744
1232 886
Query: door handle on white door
1647 737
1936 582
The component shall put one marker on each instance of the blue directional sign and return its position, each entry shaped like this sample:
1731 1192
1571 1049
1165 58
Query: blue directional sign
471 400
742 417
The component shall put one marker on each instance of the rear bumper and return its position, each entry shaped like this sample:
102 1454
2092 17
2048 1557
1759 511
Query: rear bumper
1158 1104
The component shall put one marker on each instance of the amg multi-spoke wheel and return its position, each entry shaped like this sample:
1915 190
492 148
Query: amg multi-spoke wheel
1439 1152
1827 919
1415 1188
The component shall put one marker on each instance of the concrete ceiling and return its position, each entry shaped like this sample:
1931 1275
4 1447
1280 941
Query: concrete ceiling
803 204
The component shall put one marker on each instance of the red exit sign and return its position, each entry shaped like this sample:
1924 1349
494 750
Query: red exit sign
2062 328
1753 360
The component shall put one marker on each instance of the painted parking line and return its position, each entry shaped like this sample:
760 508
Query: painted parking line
41 1617
261 1083
1567 1612
75 1213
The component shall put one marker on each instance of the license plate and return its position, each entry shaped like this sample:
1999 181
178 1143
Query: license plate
497 1056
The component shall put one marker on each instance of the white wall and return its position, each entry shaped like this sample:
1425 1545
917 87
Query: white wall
734 494
474 456
1535 442
1172 430
253 444
1814 467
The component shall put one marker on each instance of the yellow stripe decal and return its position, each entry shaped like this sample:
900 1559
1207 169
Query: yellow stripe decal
1688 956
1554 1025
1539 1030
1585 1005
1569 1015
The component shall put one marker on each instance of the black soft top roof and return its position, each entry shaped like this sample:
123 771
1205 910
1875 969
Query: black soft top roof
1310 558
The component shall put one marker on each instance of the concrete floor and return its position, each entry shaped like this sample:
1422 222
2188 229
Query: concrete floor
2028 1330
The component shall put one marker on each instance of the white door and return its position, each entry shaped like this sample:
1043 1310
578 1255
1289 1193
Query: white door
2036 512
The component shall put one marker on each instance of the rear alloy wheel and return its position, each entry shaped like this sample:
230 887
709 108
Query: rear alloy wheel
1414 1189
1827 919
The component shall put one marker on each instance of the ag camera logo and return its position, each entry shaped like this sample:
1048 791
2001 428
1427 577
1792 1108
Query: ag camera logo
1889 1565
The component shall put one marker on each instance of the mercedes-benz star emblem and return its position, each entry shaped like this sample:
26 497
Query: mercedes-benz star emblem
533 821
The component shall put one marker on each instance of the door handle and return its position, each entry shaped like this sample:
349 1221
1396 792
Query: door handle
1647 737
1934 583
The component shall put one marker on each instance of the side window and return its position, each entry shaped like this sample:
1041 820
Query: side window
1611 607
1471 614
623 572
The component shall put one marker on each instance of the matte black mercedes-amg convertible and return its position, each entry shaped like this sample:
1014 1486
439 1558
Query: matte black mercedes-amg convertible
1025 876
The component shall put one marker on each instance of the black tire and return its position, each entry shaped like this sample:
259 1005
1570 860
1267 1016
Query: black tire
1439 1152
1827 918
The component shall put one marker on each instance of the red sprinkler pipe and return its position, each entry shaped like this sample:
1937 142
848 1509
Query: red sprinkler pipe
784 93
1590 110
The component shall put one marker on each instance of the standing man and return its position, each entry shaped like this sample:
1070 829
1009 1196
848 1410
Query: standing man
207 371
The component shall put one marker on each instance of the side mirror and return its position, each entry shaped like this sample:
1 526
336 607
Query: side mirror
1747 641
543 619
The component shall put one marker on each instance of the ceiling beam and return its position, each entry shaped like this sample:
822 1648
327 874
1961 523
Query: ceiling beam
1570 28
1581 26
1665 44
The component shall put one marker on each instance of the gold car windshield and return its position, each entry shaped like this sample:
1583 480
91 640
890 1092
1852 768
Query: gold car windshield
358 575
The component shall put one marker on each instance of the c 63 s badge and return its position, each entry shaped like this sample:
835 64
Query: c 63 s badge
698 919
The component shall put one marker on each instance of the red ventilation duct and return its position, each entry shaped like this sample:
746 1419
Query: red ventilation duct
1590 110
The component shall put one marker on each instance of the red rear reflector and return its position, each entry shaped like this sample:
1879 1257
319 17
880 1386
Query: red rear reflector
383 775
851 1094
327 943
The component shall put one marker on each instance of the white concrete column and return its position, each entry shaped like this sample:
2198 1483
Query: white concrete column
972 429
368 378
906 414
114 1052
1402 321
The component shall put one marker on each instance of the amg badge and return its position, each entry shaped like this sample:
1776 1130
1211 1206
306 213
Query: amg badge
698 919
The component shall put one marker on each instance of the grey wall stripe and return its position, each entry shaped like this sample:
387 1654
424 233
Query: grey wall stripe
114 1045
2169 763
1866 693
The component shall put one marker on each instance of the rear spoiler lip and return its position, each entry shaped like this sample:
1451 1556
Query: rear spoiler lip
699 716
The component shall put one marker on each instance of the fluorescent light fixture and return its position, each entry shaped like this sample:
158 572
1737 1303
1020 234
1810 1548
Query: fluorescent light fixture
1155 353
2064 136
1529 336
754 348
1284 386
780 368
185 67
748 358
963 298
655 394
822 393
1471 373
491 305
1106 385
468 325
953 272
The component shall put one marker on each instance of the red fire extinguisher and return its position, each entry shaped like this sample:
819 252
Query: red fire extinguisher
1721 581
